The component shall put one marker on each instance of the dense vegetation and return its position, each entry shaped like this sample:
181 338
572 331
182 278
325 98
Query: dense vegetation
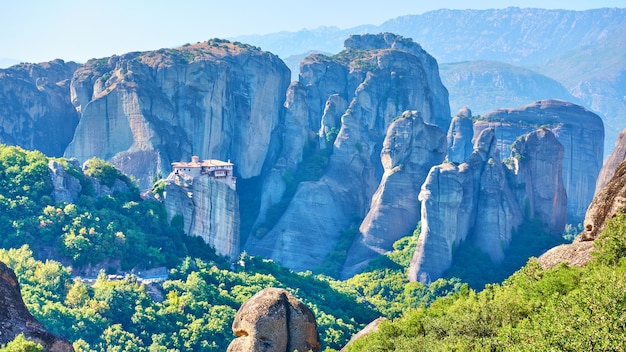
560 309
117 231
190 311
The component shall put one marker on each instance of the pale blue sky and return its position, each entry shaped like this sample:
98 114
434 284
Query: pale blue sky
36 31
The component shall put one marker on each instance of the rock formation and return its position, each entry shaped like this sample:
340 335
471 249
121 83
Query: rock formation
540 191
66 187
370 328
460 136
210 210
377 78
605 205
580 131
35 109
617 156
142 111
483 201
15 318
273 320
411 147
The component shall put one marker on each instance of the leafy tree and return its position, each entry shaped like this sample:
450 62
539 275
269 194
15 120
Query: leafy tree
20 344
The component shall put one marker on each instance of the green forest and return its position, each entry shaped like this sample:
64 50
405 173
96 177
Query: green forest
49 245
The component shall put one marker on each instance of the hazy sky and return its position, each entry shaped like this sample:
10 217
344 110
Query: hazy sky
43 30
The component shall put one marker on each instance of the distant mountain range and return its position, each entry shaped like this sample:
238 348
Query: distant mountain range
585 51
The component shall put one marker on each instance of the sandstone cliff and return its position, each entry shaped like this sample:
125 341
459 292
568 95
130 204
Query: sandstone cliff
15 318
538 159
411 147
35 109
273 320
608 202
358 92
580 131
617 156
143 111
460 136
483 201
210 210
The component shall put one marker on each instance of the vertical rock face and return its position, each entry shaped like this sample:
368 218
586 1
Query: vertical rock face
210 210
35 109
617 156
605 205
15 318
66 187
460 136
410 149
377 78
143 111
580 131
482 200
273 320
541 192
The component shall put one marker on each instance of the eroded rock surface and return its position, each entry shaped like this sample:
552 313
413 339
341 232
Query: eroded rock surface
357 94
15 318
606 204
484 201
538 158
460 136
35 107
210 210
142 111
411 147
273 320
580 131
612 162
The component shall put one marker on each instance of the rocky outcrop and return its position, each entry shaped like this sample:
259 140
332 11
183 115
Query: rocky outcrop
580 131
15 318
411 147
617 156
379 77
483 201
370 328
210 210
540 191
66 187
35 108
273 320
460 136
605 205
142 111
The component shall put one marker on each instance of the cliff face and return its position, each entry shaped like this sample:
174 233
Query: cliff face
580 131
409 150
460 136
605 205
15 318
35 109
143 111
358 93
540 189
210 210
483 201
617 156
